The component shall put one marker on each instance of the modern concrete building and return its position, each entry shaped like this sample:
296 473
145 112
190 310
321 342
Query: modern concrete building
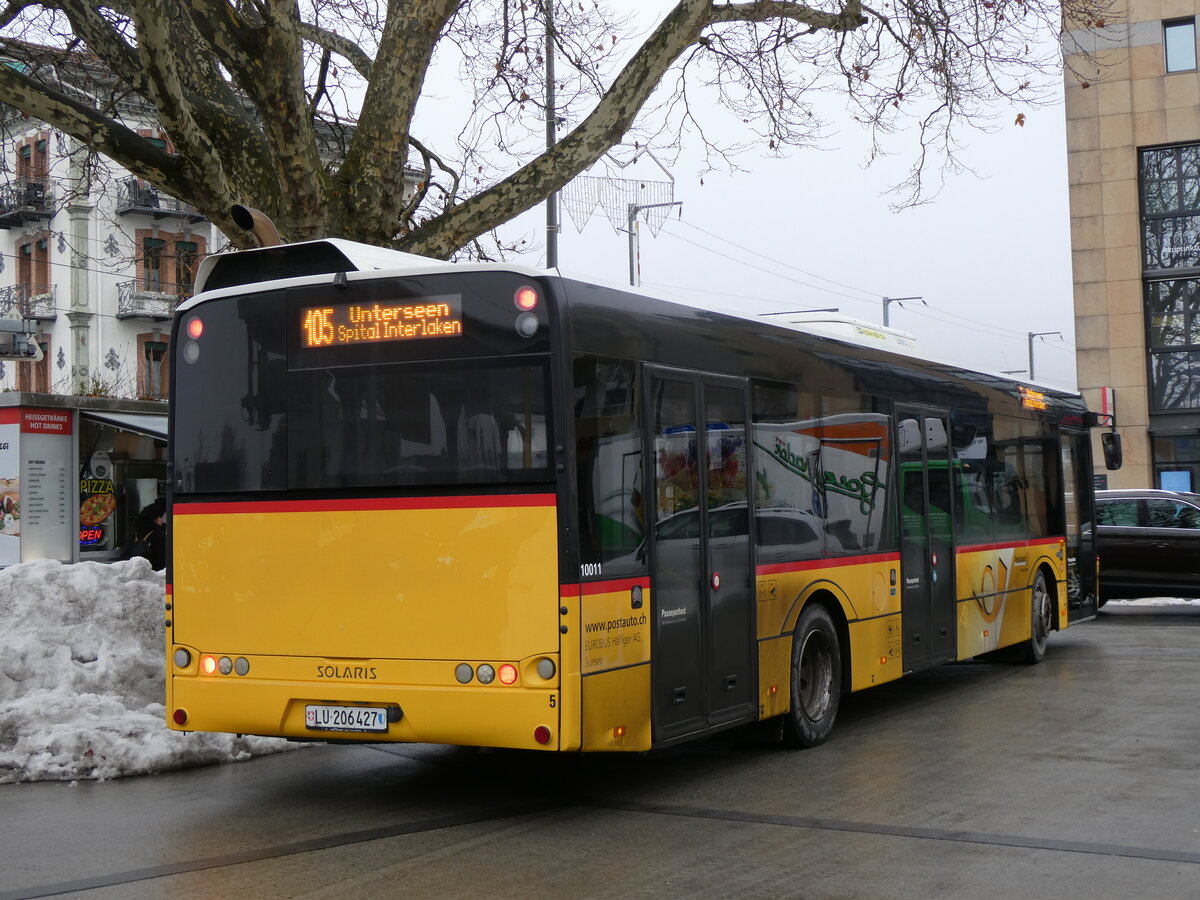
1133 142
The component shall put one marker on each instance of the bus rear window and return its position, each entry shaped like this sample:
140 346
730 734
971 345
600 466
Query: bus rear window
406 425
247 418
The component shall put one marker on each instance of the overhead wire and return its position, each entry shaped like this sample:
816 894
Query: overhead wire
743 262
933 312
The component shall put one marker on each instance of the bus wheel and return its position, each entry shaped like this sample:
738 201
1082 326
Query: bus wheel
816 679
1042 620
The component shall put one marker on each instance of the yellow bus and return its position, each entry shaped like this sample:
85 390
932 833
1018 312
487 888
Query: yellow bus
488 505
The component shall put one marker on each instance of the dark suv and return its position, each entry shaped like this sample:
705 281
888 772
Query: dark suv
1149 544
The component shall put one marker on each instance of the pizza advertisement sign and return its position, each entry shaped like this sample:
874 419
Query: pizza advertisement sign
97 503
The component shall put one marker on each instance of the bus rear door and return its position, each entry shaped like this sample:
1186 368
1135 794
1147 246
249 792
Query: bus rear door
702 663
926 537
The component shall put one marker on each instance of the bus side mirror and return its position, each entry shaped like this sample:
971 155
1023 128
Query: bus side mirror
1110 443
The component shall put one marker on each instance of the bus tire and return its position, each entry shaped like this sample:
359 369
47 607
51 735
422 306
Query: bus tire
1041 614
816 679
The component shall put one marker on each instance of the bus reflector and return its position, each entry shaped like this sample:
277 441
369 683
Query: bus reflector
541 734
526 298
508 674
179 717
208 664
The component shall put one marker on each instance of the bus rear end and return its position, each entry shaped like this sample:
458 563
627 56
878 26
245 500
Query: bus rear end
364 530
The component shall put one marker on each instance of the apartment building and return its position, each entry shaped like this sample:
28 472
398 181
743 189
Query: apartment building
97 260
93 262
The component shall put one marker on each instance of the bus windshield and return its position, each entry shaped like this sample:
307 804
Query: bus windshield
266 413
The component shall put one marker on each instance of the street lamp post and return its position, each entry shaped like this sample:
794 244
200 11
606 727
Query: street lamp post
634 209
1037 334
888 301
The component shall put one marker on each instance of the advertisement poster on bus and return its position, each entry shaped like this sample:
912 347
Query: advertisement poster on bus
830 473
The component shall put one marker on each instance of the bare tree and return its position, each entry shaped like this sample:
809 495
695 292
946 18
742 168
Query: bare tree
325 113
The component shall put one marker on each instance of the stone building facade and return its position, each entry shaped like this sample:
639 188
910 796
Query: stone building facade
1133 142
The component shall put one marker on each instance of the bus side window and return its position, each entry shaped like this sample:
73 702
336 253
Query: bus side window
608 453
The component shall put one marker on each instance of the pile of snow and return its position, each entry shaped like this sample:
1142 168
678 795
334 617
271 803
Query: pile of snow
82 677
1156 601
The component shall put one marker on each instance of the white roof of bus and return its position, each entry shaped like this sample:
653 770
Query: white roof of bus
363 257
369 258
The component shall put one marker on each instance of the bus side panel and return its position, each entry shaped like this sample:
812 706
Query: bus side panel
570 711
615 652
866 589
994 584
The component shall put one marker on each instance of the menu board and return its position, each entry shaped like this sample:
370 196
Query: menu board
37 498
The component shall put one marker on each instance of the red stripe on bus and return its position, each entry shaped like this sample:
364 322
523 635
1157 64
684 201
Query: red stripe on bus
1006 545
364 505
588 588
828 562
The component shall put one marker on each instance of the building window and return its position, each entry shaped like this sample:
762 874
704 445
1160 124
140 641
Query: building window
155 386
152 258
34 377
1179 39
1173 315
1171 207
1170 201
186 254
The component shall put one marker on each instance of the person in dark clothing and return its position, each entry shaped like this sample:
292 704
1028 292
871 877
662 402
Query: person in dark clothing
150 527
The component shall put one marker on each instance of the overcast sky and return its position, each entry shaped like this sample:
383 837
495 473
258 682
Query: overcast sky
990 256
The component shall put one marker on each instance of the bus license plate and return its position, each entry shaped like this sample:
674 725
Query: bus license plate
345 718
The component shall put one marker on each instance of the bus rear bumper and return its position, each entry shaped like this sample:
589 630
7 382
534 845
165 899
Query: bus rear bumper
475 715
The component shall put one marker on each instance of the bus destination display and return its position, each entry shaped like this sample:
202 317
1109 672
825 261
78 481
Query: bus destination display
413 320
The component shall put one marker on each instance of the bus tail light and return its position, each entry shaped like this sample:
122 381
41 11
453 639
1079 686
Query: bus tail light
526 298
508 674
208 665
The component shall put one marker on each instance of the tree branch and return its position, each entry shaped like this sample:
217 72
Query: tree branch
590 140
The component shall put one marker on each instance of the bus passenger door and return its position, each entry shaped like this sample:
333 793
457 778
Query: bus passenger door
927 512
702 662
1079 525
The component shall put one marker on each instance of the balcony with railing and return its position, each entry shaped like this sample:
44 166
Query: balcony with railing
135 197
25 200
152 301
28 301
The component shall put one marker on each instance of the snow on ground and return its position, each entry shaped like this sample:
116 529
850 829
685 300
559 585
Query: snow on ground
82 677
1155 601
